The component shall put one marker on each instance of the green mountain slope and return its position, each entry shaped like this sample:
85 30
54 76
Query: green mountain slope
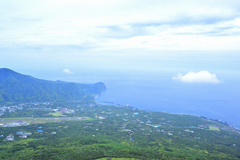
15 87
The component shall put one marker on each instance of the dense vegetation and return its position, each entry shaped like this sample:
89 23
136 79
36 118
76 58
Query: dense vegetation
105 131
15 87
117 131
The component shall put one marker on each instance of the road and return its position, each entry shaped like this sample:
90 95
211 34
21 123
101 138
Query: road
46 119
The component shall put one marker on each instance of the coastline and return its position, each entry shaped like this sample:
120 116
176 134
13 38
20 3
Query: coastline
209 119
98 95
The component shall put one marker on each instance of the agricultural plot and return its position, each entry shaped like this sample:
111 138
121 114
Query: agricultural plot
57 114
213 128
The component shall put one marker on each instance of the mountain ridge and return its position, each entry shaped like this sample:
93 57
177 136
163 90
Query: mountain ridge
16 87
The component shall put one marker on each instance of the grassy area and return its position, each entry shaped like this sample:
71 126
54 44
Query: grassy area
213 128
57 114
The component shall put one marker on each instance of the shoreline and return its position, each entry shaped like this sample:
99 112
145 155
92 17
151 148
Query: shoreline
204 117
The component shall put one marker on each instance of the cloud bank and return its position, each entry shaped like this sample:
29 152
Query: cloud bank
67 71
121 24
197 77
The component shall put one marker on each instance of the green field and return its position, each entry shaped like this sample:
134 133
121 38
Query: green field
213 128
57 114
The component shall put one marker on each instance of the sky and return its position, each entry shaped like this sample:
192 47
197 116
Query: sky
177 54
62 39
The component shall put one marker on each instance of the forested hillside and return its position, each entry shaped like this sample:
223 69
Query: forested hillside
15 87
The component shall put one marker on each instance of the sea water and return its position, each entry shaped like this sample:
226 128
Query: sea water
215 101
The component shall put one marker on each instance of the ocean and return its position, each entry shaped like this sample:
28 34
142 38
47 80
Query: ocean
215 101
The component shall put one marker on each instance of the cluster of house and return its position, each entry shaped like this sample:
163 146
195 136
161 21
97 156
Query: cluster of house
42 131
10 137
101 117
66 110
154 127
23 134
149 123
32 106
46 106
4 109
21 106
15 124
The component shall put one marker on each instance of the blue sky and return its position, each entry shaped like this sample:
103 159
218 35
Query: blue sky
185 51
44 38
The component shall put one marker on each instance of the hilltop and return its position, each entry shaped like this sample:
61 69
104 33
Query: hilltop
16 87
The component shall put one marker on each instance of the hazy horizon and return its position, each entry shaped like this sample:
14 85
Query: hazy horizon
188 43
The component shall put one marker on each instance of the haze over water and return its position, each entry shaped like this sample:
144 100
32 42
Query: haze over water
213 101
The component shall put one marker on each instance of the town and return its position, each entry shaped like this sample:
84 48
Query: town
116 122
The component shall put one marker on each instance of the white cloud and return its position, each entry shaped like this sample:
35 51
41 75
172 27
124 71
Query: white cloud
158 24
67 71
197 77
